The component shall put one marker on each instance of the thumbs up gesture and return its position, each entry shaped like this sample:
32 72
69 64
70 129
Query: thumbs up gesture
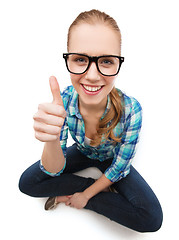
50 117
55 89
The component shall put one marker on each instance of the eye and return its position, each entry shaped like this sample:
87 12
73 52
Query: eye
80 60
106 62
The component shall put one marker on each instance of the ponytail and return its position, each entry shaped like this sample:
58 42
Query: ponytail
112 118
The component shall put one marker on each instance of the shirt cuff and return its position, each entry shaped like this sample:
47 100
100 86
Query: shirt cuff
49 173
117 176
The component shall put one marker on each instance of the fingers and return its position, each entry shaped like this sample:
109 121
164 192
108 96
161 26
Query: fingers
40 116
49 129
68 203
44 137
52 109
55 89
50 117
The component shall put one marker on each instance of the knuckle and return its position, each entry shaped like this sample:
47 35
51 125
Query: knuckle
37 126
53 137
39 116
37 136
41 106
61 121
45 137
34 126
61 111
57 130
64 113
35 116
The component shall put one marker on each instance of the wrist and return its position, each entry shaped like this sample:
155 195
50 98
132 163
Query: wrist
87 194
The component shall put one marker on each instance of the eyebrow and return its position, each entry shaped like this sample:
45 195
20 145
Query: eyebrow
95 55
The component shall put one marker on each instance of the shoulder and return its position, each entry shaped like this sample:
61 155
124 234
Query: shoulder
131 107
129 103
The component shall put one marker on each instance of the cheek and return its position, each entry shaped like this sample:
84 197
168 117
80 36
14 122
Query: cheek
74 78
110 81
110 84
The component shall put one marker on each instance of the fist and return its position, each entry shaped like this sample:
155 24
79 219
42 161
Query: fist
50 117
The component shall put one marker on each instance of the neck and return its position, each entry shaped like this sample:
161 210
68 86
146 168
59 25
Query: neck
92 109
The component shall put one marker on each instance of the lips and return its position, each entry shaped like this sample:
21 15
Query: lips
91 88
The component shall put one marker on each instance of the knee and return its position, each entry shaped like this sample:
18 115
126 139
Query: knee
29 179
24 185
152 219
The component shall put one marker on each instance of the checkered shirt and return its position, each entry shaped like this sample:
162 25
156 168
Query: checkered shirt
128 128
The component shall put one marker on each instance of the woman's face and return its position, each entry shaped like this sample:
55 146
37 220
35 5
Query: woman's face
93 40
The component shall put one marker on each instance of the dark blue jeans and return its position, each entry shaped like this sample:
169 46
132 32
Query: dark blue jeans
134 206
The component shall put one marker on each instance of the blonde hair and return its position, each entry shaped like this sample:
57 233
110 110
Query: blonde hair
112 118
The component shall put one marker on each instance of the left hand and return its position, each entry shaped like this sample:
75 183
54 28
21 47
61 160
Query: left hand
77 200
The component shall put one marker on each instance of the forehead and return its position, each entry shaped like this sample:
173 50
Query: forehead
94 40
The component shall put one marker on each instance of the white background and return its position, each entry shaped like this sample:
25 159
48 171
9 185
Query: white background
32 40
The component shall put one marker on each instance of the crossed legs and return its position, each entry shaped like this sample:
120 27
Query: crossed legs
134 205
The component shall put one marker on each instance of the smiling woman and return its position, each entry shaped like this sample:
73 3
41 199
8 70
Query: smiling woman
105 43
105 124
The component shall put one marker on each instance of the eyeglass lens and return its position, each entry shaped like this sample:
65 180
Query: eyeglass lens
107 65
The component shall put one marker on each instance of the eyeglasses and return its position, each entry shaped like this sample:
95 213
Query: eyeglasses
107 65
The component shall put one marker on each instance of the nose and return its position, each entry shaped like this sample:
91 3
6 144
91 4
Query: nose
92 73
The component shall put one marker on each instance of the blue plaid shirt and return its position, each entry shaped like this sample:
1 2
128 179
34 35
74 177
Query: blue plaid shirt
122 153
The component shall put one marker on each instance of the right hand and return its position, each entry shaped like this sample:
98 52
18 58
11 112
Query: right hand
50 117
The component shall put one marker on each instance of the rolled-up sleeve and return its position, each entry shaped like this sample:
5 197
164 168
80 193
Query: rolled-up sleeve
125 151
64 137
49 173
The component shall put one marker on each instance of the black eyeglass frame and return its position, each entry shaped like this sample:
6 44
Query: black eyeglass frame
93 59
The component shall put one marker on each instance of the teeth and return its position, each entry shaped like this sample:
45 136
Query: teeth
92 89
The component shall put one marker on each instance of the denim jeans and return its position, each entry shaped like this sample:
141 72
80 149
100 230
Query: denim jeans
134 205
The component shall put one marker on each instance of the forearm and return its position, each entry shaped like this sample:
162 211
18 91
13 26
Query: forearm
102 183
52 157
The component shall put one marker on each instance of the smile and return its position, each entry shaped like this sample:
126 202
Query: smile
92 89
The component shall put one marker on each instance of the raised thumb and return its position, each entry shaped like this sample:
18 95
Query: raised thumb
55 89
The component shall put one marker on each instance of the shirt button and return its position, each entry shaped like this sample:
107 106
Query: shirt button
96 152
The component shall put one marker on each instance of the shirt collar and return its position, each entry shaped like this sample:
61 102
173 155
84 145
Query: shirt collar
73 107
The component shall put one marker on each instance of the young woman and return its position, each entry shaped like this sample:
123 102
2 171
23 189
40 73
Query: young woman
105 125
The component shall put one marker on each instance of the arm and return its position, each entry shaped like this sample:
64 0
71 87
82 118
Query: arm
102 183
54 154
125 151
79 200
48 125
52 157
